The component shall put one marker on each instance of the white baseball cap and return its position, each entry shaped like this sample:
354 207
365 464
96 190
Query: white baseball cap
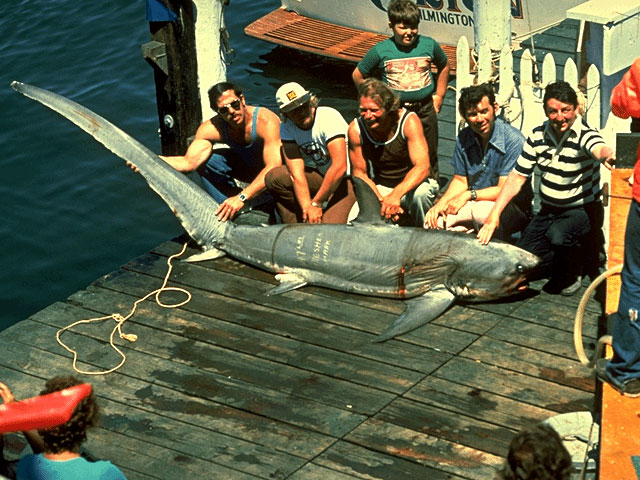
290 96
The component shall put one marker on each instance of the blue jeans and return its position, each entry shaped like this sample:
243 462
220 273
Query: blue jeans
223 167
220 172
417 202
625 364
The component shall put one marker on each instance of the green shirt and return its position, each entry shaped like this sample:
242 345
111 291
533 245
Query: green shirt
406 70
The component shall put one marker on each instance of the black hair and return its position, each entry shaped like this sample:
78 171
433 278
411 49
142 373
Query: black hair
403 11
218 89
561 91
472 96
71 434
537 453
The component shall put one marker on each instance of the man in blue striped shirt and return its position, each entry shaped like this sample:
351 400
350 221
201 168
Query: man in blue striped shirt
568 153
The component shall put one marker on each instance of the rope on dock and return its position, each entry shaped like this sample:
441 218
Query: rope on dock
577 323
120 320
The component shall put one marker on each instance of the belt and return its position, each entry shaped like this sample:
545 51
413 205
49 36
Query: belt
418 104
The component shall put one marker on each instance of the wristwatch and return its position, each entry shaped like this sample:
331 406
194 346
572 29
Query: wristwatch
474 195
317 205
242 197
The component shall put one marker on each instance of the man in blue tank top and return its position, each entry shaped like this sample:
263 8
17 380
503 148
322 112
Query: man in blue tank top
250 147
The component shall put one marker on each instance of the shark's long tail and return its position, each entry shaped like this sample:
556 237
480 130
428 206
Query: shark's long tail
193 206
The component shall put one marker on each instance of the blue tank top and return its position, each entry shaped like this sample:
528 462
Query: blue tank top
254 149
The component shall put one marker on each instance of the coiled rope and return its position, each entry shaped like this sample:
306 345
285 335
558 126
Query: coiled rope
119 319
577 324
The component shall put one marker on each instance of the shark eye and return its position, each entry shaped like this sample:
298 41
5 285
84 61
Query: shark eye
519 268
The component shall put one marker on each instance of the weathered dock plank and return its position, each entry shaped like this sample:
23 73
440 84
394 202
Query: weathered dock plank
369 462
241 385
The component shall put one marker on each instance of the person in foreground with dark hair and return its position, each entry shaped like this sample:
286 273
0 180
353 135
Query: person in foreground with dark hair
60 446
485 153
537 453
252 138
567 230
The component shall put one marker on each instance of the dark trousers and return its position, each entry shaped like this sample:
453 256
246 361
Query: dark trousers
566 239
512 220
280 185
429 119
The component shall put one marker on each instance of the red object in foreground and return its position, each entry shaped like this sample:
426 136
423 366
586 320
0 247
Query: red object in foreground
45 411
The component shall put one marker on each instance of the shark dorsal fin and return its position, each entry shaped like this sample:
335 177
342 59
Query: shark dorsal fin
367 202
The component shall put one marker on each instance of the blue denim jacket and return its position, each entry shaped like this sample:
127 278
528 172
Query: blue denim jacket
483 171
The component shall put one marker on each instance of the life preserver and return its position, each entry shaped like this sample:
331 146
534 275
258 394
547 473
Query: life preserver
45 411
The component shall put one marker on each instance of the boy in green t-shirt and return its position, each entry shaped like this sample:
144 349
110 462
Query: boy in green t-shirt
404 62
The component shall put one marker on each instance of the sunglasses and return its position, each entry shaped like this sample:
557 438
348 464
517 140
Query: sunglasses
300 109
225 108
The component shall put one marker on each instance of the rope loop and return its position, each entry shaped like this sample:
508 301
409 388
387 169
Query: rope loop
120 320
577 323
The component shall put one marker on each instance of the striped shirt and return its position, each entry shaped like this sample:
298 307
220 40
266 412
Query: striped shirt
570 173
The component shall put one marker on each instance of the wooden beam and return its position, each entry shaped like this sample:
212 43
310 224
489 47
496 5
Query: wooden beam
176 77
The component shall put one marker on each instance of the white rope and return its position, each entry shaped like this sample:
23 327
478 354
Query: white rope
119 319
577 322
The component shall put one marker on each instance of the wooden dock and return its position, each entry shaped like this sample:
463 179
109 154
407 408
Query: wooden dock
238 385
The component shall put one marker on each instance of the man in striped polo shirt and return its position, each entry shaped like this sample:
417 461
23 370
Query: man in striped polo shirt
568 153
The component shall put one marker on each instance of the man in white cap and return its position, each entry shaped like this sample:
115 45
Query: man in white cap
312 185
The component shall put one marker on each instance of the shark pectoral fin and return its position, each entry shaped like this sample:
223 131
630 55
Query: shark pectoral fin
209 254
420 311
288 282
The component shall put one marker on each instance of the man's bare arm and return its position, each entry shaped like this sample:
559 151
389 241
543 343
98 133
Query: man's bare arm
510 189
357 77
269 131
418 154
198 151
441 87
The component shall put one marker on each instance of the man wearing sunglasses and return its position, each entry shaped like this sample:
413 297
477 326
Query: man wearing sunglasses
250 147
312 186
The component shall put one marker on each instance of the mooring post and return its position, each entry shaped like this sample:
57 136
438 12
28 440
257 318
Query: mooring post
492 25
184 53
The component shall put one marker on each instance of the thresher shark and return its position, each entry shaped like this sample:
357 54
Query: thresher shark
426 269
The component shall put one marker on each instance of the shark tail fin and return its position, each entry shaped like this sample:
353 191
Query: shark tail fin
192 205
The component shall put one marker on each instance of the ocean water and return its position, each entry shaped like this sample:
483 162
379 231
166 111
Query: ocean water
71 211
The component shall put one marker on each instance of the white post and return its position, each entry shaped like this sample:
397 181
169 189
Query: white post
492 24
463 76
211 66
